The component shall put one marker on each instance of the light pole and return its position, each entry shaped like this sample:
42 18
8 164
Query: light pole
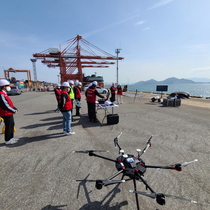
117 51
33 60
58 78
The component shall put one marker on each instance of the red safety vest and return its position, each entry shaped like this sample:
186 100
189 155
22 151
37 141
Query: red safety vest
57 93
78 93
113 89
4 112
91 96
119 91
68 104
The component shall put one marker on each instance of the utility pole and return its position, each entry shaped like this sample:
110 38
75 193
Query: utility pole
58 78
117 51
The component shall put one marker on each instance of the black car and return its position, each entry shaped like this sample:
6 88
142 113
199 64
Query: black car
182 95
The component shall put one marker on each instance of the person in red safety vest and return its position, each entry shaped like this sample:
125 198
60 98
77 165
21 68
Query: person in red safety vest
7 109
77 97
91 94
57 92
65 107
119 94
113 91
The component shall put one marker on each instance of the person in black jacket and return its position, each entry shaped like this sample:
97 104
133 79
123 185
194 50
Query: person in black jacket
113 92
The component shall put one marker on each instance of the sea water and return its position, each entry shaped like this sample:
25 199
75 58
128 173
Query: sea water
201 90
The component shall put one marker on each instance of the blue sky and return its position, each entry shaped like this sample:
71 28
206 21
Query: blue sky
158 38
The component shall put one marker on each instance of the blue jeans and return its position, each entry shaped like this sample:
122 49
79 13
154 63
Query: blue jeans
67 121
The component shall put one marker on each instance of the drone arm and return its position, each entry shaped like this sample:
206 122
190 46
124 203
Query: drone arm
110 182
116 174
93 154
177 167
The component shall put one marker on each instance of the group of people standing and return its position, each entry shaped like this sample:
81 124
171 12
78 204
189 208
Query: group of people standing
68 94
119 92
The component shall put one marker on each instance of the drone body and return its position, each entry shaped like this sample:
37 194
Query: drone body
134 168
130 165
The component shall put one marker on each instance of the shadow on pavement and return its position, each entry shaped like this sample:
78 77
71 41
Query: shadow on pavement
41 125
105 203
49 207
37 113
26 140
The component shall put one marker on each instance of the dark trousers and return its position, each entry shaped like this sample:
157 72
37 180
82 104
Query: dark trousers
91 111
9 127
72 102
77 111
78 108
112 99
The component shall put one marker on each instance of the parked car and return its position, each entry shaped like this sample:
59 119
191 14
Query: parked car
100 90
14 91
179 95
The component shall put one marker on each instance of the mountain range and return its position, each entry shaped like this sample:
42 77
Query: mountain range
171 80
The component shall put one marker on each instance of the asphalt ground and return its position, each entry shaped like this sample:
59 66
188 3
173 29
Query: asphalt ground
38 173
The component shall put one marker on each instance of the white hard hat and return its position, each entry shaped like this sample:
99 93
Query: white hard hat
95 83
4 82
58 85
71 82
65 84
79 83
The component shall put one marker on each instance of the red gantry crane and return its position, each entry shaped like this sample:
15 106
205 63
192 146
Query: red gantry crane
76 55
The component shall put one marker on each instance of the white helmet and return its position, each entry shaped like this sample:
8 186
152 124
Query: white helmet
4 82
79 83
65 84
95 83
71 82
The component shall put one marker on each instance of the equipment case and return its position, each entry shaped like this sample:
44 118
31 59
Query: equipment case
112 119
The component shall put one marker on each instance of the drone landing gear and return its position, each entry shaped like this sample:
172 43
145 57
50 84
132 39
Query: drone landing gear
136 195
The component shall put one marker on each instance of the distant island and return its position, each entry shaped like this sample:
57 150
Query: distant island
171 80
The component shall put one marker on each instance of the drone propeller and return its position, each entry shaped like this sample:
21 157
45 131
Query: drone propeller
101 183
87 151
160 197
178 166
116 139
187 163
140 153
105 181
